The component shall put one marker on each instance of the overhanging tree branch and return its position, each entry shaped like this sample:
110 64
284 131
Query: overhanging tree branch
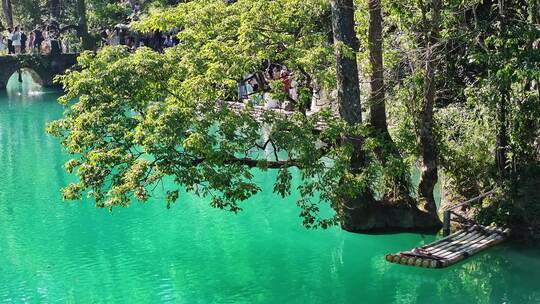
254 163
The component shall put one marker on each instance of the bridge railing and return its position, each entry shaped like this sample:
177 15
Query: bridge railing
258 112
449 212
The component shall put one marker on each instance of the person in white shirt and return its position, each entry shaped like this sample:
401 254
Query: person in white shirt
16 40
10 41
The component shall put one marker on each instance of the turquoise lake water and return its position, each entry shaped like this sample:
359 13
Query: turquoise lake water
53 251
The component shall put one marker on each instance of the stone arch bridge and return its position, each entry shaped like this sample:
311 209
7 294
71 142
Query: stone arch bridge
42 67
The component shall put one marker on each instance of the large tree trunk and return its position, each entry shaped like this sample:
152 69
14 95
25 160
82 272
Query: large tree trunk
377 103
348 86
348 92
428 144
87 42
8 12
347 69
362 213
400 184
502 133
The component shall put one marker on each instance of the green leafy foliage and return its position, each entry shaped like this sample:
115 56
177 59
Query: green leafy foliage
487 63
133 119
107 14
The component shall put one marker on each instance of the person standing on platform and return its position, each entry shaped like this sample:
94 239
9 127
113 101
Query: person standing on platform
46 44
31 42
24 38
11 50
38 39
16 40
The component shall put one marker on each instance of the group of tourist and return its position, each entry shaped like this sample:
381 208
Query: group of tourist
252 88
121 34
156 40
17 41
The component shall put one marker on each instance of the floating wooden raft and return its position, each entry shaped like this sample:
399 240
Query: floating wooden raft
451 249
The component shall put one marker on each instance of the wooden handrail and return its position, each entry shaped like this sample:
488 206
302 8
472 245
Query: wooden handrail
447 213
470 200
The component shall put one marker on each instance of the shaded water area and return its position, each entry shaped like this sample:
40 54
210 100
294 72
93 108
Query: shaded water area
69 252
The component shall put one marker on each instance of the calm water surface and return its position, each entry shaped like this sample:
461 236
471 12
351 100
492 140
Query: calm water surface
68 252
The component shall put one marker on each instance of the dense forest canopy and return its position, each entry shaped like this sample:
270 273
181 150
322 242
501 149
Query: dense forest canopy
449 87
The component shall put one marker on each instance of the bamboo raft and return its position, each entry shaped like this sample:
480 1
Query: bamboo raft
452 248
